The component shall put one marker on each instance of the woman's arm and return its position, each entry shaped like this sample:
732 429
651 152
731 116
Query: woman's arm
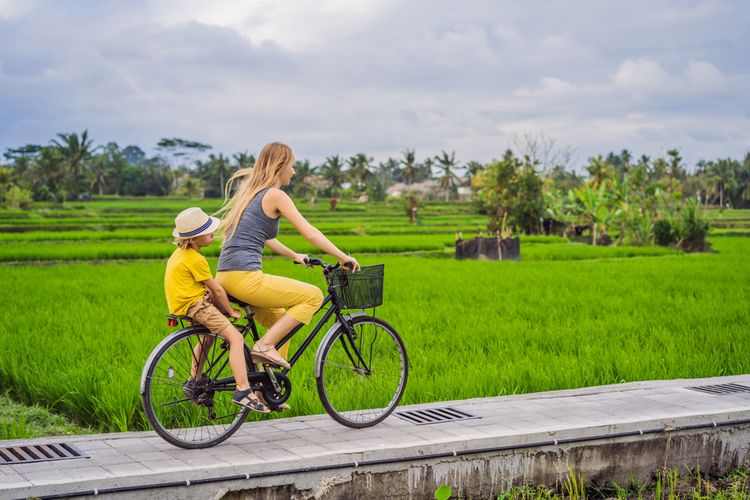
282 203
281 249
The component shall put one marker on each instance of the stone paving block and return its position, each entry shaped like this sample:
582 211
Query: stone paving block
47 477
90 446
311 451
291 443
247 458
275 455
13 481
165 465
150 456
74 463
205 461
342 446
291 426
112 457
128 469
87 473
238 440
126 442
34 467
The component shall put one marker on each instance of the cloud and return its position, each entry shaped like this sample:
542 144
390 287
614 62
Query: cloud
377 76
643 76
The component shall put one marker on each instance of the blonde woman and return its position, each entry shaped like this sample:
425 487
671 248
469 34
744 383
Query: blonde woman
251 222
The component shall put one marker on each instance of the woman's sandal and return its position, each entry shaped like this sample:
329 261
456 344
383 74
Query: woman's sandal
267 354
282 406
243 398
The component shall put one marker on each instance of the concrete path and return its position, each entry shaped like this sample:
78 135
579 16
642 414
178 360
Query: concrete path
258 452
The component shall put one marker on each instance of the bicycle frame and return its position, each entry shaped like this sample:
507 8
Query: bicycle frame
333 310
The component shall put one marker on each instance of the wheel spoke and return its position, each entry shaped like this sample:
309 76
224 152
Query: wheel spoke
355 396
186 421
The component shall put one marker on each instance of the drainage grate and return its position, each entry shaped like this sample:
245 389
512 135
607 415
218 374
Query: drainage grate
721 389
433 415
40 453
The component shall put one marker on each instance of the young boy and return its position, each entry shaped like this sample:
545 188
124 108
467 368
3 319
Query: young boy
188 284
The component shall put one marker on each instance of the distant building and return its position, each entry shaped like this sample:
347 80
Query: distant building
424 188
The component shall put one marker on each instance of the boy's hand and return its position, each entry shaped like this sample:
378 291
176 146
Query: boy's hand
234 313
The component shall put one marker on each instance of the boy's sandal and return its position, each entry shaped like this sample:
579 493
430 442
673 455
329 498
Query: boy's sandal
267 354
243 398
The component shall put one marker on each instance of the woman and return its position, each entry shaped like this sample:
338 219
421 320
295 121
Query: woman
251 222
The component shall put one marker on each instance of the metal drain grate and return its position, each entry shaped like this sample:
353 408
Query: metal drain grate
721 389
433 415
40 453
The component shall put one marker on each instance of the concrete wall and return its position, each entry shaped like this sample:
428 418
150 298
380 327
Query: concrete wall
482 476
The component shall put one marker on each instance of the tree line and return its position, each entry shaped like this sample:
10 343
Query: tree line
523 188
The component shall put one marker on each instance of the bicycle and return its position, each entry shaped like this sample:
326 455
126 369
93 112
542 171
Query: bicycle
361 366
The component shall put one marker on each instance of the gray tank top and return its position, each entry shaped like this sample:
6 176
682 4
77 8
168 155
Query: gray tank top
244 250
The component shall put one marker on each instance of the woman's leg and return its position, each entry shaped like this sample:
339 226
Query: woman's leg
268 295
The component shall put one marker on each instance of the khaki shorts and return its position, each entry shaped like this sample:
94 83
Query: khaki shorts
205 313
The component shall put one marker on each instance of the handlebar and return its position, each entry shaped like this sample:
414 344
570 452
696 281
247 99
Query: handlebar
327 268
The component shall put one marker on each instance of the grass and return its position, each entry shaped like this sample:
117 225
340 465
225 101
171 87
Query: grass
666 484
22 421
508 327
568 315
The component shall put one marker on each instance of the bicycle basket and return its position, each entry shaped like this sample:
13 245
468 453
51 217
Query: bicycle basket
358 290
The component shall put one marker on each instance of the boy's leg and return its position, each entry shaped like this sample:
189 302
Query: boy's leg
206 314
200 353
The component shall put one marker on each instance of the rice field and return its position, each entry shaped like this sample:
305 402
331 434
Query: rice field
77 326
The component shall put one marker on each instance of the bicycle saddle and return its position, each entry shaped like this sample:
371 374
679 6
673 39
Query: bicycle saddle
237 301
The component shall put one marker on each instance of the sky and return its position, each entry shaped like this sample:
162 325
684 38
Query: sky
380 76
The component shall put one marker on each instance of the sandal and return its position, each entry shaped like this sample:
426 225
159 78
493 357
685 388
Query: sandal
267 354
243 398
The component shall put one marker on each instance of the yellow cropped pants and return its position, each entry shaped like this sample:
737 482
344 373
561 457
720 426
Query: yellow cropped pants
271 296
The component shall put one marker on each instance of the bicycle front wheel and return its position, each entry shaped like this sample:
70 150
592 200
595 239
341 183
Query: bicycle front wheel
362 375
188 387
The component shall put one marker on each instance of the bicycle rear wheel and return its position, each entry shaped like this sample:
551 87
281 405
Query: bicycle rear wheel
201 415
361 377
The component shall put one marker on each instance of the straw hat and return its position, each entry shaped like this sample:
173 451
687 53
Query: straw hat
193 222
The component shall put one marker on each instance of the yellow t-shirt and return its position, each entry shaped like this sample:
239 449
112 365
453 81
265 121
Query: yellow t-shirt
186 268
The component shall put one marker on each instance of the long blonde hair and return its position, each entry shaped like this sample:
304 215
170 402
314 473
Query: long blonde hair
264 174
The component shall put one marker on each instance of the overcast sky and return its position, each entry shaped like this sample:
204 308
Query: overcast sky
378 76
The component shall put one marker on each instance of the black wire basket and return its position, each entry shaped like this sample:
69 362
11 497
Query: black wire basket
359 290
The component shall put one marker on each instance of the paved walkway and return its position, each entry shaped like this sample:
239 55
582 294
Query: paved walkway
142 458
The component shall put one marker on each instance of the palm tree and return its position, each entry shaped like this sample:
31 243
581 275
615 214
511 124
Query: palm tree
595 208
448 180
676 171
359 171
303 171
332 170
601 172
409 172
743 181
424 170
472 169
244 160
98 176
220 168
722 172
75 151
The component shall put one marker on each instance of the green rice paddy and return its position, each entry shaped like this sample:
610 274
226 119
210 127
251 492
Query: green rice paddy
74 335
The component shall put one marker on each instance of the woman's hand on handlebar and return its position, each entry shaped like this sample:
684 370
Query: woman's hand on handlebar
350 262
301 258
